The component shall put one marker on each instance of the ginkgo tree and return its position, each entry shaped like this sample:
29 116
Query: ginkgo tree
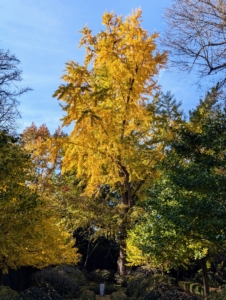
45 152
30 231
108 101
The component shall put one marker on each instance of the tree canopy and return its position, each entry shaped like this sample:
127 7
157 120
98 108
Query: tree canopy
30 232
112 141
185 213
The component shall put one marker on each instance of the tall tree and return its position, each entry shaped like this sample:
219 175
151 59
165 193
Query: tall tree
45 151
195 37
10 75
189 200
113 139
30 234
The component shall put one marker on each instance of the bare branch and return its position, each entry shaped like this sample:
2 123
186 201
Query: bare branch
196 36
9 92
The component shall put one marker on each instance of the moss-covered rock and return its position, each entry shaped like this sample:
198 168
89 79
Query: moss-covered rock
88 295
7 294
62 283
118 296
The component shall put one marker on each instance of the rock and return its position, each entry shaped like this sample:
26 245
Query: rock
7 294
61 282
88 295
118 296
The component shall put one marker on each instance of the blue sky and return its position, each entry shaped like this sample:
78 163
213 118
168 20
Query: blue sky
45 34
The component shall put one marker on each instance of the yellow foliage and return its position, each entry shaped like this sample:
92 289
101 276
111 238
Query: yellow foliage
112 140
30 234
134 255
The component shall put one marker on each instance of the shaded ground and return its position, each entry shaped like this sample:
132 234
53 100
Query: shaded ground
67 282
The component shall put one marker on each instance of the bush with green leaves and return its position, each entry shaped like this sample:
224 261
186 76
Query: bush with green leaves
61 282
118 296
7 294
164 291
109 288
133 284
44 292
140 286
101 276
88 295
218 295
72 272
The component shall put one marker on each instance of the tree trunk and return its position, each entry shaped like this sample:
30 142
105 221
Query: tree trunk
127 203
205 278
1 277
122 261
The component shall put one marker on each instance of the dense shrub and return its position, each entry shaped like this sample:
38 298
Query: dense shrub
88 295
118 296
219 295
109 288
140 285
101 276
62 283
73 272
44 292
7 294
164 291
133 284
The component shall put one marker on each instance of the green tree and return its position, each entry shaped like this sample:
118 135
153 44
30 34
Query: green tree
189 199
